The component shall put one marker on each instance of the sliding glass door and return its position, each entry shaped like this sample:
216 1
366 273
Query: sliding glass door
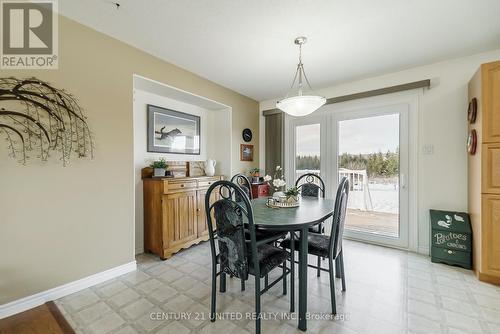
371 152
368 144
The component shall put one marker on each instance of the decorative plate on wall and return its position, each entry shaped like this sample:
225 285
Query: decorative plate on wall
472 111
472 142
247 135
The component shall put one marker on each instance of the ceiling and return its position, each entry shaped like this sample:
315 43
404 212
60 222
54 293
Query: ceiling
248 46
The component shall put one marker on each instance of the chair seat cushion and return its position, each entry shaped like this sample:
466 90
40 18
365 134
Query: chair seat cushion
269 257
317 244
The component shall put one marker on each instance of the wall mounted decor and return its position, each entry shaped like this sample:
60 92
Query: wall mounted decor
472 142
246 152
171 131
472 111
247 135
37 118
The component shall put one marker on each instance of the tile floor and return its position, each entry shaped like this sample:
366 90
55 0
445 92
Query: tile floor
388 291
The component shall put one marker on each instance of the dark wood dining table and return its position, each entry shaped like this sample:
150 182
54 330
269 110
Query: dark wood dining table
311 211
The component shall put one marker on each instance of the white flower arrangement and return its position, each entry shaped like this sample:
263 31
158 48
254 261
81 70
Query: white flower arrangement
278 181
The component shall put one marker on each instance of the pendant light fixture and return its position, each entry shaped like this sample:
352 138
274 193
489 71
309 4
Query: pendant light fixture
300 104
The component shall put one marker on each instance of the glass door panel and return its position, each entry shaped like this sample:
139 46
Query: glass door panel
307 149
369 156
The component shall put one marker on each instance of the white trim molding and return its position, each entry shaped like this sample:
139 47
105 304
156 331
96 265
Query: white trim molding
424 250
40 298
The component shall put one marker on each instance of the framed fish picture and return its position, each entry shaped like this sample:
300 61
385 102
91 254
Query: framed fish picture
171 131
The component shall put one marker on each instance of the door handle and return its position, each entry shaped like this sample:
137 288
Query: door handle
403 181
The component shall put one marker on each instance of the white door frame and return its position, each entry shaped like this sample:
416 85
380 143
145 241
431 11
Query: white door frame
328 117
402 111
290 138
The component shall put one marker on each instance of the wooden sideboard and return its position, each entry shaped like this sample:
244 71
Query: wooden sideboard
484 173
174 213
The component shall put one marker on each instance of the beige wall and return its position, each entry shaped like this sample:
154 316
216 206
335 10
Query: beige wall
60 224
442 176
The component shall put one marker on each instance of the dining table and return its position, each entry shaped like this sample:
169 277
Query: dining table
311 211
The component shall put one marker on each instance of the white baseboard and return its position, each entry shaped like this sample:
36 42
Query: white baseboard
40 298
423 250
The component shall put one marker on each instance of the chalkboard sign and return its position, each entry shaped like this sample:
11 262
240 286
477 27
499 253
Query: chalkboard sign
451 238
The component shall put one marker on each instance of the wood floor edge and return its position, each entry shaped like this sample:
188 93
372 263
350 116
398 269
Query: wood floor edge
42 319
61 320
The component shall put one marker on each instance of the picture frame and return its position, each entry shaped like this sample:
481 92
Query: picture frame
196 168
246 152
172 131
178 168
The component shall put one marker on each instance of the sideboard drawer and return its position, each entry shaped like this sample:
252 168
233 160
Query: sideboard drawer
178 185
207 182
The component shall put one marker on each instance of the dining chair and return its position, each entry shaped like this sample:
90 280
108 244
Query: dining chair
312 185
236 255
271 236
244 183
328 246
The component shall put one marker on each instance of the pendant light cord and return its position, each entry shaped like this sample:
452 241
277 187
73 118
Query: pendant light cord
300 72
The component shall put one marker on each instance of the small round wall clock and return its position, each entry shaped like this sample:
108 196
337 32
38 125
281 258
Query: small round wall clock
472 111
247 135
472 142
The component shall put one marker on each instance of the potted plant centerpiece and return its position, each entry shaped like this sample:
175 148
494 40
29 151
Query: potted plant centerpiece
292 195
255 174
159 167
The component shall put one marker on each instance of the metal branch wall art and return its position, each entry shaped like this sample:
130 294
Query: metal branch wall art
37 119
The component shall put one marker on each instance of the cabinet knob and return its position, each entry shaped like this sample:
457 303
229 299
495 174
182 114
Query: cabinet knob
450 252
182 186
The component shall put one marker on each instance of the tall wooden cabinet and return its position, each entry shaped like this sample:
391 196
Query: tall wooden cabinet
484 173
174 213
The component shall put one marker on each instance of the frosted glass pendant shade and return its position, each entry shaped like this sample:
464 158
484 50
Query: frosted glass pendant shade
301 105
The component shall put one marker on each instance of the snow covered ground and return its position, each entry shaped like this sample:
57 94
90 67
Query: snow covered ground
382 195
385 197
